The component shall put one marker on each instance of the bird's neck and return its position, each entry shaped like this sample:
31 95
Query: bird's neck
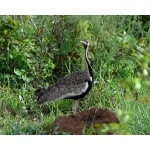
87 64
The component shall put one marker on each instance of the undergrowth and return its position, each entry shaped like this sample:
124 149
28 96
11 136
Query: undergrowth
36 51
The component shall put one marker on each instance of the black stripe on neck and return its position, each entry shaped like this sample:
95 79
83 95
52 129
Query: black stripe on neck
87 61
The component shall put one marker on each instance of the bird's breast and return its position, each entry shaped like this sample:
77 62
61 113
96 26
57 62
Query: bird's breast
85 87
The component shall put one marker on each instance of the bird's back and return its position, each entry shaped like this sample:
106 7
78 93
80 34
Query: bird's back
72 86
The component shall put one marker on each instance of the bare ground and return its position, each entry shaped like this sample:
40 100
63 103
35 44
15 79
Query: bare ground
74 124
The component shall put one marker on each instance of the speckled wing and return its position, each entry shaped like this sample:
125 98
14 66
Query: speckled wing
69 86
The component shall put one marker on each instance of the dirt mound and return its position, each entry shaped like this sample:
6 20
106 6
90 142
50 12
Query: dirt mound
85 119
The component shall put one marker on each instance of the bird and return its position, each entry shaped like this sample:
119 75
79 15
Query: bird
74 86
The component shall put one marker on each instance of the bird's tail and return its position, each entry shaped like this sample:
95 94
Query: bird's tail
39 91
40 95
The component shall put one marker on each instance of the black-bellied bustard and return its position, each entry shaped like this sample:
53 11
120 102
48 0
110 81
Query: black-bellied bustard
74 86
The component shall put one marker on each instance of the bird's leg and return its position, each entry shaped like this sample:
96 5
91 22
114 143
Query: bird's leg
75 106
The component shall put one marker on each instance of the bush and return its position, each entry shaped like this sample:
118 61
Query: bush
36 51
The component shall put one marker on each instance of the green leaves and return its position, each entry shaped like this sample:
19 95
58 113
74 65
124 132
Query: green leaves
33 48
83 30
22 75
19 72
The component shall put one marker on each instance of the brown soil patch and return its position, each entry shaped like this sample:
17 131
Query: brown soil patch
76 123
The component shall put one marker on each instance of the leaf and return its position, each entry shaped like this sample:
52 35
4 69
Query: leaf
27 54
19 72
27 79
30 61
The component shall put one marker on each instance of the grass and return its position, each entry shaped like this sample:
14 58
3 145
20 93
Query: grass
118 52
139 117
21 115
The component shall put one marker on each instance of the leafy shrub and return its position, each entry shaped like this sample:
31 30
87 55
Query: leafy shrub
37 50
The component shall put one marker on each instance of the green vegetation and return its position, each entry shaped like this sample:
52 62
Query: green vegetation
36 51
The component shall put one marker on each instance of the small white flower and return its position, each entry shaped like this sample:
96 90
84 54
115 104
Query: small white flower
20 97
145 72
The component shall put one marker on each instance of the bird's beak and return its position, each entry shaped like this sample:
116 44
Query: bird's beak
83 42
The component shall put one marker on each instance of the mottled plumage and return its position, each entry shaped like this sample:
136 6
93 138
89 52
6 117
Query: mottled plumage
74 86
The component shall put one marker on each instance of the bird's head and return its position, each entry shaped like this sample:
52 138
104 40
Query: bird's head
85 43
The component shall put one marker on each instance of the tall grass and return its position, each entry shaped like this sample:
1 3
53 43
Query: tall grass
38 50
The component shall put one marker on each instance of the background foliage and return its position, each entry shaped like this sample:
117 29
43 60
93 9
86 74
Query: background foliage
36 51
